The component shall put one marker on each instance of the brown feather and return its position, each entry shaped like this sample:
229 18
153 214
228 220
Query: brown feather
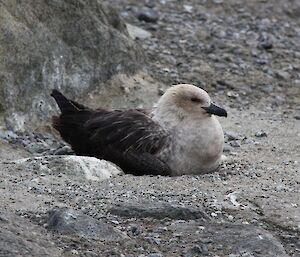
128 138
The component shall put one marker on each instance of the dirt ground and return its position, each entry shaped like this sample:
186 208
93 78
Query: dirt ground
246 54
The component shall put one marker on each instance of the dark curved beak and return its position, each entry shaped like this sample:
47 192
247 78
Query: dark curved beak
216 110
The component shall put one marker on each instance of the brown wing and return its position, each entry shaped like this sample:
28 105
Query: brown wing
128 138
129 130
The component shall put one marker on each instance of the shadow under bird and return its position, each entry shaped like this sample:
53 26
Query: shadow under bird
181 135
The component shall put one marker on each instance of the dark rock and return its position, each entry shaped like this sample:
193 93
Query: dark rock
148 15
196 250
266 45
133 230
19 237
224 239
261 133
67 45
67 221
158 211
297 116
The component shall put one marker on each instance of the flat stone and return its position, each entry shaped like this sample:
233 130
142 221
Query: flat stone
227 238
68 221
158 211
136 32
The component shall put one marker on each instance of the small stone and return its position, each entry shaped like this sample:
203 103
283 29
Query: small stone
217 1
297 116
71 222
267 45
281 74
133 230
232 94
227 148
188 8
235 143
261 134
213 214
136 32
267 88
155 255
197 250
148 15
231 136
230 217
65 150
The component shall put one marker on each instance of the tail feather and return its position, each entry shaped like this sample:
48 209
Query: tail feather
64 104
70 123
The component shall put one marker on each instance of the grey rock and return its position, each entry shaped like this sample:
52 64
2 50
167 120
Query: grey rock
230 136
68 221
158 211
155 255
281 74
136 32
261 133
224 239
196 250
134 230
235 143
297 115
63 45
268 88
19 237
11 152
75 167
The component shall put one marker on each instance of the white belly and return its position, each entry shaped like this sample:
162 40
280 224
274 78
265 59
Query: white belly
195 151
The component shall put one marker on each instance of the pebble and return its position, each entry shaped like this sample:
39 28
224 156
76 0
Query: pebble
148 15
281 74
134 230
297 116
232 135
261 133
235 143
267 88
155 255
196 250
227 148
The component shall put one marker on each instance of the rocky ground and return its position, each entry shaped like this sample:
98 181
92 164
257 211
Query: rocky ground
247 56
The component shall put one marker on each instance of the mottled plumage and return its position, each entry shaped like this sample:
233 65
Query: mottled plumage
141 142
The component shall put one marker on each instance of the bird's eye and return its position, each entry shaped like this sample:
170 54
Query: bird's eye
195 99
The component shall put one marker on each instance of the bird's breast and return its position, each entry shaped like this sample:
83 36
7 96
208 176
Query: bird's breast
195 147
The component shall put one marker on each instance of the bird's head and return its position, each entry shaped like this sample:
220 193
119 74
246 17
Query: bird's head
189 100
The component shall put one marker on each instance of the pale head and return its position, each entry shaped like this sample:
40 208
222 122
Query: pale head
187 100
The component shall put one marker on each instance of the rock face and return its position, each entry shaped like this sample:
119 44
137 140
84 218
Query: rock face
71 45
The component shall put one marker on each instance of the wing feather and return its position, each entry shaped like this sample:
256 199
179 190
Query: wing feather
129 130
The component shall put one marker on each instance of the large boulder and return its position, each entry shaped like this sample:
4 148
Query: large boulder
77 46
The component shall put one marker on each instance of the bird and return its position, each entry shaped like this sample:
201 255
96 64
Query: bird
179 136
